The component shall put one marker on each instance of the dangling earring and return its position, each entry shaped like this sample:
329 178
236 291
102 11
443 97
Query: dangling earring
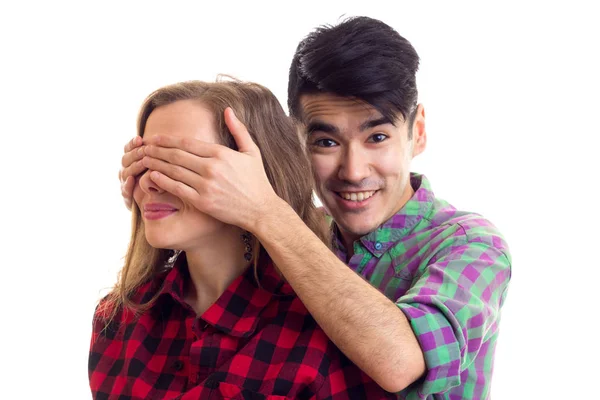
247 237
171 260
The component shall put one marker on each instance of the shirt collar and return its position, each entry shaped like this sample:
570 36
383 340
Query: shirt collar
238 310
399 225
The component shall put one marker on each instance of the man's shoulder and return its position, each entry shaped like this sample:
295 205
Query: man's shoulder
466 226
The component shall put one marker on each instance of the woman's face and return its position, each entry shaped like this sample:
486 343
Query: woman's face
171 223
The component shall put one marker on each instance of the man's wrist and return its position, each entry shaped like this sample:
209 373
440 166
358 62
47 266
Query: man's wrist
271 218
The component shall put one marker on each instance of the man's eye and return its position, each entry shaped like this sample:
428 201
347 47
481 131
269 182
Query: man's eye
325 143
378 138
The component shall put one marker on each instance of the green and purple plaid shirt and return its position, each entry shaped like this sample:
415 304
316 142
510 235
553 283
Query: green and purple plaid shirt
448 271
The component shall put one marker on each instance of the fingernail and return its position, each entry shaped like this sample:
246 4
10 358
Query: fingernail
140 151
154 175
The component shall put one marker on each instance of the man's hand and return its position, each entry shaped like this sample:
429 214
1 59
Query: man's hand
131 167
229 185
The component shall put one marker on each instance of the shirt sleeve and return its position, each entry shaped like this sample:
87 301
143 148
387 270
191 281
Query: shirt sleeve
453 307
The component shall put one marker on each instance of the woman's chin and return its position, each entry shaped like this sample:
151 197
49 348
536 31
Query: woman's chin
160 242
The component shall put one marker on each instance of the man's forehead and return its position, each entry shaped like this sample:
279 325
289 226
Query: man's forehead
325 107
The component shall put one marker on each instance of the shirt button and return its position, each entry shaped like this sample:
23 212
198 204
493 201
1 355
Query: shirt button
378 246
178 365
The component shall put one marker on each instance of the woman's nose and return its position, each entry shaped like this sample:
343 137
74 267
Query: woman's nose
148 184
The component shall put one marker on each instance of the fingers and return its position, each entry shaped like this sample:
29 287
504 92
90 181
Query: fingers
132 144
178 157
177 188
132 156
240 133
132 166
132 171
193 146
175 172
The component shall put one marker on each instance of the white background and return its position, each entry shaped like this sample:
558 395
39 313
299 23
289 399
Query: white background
511 96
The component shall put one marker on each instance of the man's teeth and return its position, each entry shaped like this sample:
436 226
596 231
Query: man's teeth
357 196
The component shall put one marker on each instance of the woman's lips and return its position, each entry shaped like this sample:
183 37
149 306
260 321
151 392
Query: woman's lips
154 211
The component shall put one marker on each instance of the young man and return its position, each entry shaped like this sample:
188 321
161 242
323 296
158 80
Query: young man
419 306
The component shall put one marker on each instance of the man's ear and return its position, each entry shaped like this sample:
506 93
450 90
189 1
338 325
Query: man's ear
419 133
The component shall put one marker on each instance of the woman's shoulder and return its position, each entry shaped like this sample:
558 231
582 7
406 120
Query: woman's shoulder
116 309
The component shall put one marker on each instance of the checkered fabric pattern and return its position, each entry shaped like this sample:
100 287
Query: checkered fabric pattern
253 343
448 271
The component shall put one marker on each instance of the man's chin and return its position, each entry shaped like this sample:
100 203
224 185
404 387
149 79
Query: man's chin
356 229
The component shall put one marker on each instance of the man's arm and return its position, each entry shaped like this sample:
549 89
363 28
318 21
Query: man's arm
368 327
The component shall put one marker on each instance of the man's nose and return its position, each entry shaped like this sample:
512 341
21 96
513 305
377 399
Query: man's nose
354 167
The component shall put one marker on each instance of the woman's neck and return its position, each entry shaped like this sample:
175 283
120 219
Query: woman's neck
213 265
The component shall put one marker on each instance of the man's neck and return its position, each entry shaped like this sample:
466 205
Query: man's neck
348 239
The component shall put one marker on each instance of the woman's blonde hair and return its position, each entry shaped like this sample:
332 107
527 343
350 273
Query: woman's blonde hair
284 158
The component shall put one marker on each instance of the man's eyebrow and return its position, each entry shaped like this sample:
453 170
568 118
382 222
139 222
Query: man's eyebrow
321 127
372 123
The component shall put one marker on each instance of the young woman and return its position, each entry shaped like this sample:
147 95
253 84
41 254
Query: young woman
199 310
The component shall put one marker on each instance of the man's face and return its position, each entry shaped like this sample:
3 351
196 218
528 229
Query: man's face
361 160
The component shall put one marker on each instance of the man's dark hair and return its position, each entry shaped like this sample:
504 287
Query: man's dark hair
362 58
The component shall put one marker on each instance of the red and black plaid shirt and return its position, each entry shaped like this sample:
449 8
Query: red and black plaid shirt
253 343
